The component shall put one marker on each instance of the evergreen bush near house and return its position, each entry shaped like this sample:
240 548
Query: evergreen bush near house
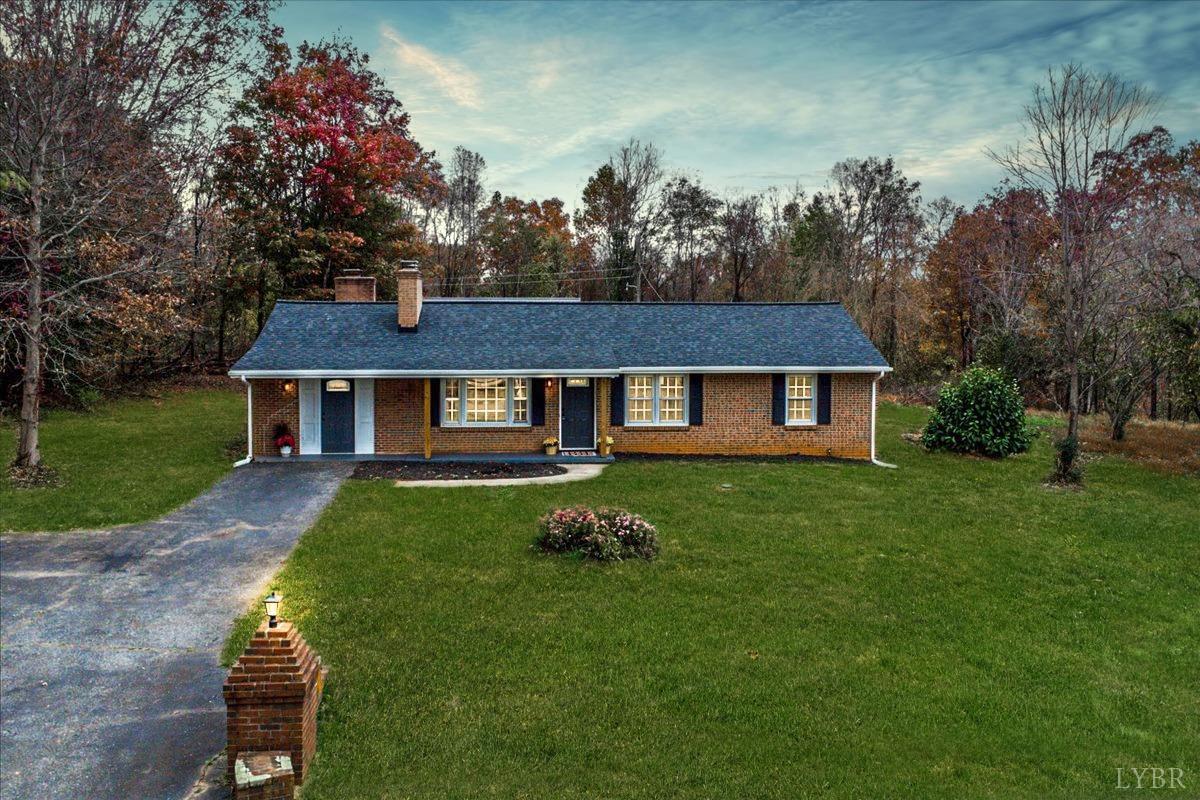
607 534
983 413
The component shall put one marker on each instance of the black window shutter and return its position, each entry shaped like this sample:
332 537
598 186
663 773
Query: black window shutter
618 400
778 398
537 401
435 403
824 397
696 399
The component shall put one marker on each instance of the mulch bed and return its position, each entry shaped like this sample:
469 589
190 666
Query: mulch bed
490 470
39 477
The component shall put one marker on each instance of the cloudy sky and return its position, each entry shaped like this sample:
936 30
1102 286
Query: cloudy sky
749 95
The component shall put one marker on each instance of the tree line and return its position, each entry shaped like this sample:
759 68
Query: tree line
171 169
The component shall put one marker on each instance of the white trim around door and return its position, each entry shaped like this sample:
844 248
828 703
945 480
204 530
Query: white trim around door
310 416
364 415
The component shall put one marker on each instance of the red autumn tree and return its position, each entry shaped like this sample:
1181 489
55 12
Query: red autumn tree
320 165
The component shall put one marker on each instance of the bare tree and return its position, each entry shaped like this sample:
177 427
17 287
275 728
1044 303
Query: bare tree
778 277
879 240
100 102
621 212
741 240
691 216
454 231
1076 120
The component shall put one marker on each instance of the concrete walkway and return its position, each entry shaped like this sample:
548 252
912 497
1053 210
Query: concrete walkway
574 472
109 681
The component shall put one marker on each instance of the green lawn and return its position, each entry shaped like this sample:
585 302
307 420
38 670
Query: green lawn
126 461
949 629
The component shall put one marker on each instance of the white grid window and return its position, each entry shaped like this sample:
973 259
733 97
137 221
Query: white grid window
656 400
520 403
485 401
671 393
450 410
639 393
800 399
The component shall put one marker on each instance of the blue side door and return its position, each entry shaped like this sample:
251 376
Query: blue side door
337 416
578 416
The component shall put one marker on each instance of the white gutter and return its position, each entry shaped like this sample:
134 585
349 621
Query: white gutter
419 373
875 460
532 373
756 369
249 425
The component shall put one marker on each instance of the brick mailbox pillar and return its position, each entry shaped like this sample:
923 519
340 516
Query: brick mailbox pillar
271 698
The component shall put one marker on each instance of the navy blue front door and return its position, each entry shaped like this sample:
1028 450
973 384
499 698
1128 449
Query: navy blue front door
337 416
578 417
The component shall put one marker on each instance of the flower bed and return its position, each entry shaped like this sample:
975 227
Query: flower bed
436 471
605 534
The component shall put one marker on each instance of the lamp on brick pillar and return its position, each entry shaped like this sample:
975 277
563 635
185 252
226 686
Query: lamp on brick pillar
271 699
271 602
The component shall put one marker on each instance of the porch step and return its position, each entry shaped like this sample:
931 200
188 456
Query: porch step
578 453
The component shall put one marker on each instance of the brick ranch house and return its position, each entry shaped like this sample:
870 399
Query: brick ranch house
461 378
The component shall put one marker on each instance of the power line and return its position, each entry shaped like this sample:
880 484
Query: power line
561 277
599 272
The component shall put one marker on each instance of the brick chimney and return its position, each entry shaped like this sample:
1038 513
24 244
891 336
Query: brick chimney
408 295
353 286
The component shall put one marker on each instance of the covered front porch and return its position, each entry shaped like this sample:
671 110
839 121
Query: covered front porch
522 418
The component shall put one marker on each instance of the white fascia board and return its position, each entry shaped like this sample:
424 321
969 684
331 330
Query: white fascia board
532 373
634 370
422 373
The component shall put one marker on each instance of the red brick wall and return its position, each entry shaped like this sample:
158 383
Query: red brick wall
400 418
737 421
273 405
399 406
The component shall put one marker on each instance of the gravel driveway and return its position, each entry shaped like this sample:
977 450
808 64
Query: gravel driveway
109 680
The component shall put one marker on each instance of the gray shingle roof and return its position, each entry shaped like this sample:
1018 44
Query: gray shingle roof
558 336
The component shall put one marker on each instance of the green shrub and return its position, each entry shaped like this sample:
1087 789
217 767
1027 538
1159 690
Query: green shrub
983 413
608 534
83 397
1067 469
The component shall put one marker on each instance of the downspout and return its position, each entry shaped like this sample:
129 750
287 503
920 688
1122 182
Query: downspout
250 425
875 460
